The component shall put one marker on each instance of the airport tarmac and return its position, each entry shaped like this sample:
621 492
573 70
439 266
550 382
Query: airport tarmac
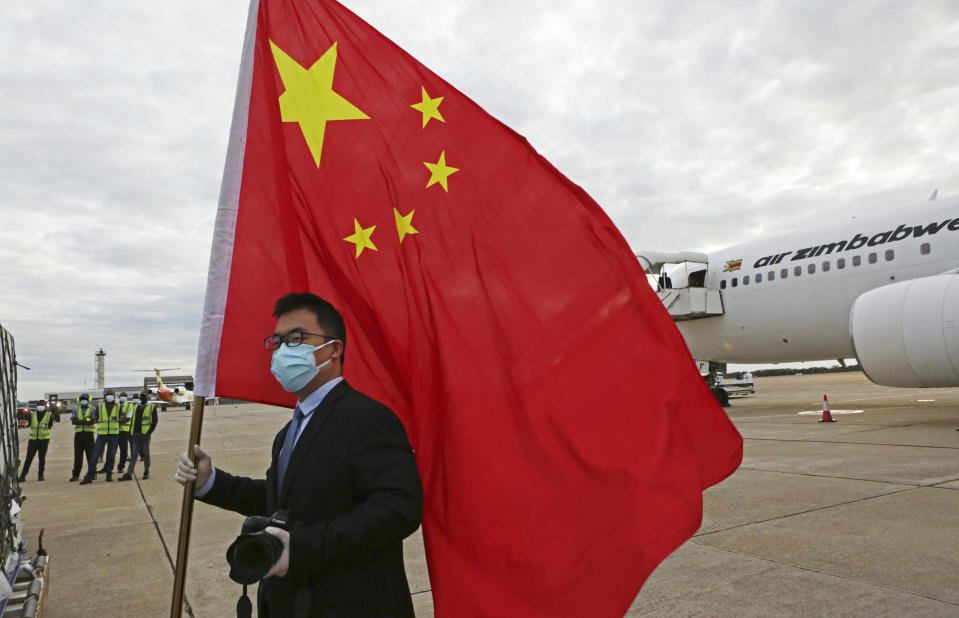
858 517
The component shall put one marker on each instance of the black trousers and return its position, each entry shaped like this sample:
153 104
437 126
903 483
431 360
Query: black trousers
34 447
82 451
123 443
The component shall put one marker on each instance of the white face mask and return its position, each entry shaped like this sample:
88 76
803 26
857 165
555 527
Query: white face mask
294 367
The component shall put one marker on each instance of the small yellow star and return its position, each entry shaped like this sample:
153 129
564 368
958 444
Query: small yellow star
439 172
429 107
361 237
404 224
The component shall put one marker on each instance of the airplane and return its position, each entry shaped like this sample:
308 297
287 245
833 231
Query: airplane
175 395
883 289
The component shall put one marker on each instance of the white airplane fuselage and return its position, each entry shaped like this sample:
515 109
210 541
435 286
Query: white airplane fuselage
801 315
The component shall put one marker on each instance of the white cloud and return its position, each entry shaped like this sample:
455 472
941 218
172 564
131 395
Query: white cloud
694 124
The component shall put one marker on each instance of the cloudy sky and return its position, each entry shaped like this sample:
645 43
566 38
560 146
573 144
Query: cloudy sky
694 124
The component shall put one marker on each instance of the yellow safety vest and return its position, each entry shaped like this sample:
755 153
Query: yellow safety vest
84 417
40 428
147 418
108 425
126 408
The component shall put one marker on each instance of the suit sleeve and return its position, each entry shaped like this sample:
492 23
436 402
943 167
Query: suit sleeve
237 493
384 471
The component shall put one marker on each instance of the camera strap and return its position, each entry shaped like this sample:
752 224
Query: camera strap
244 607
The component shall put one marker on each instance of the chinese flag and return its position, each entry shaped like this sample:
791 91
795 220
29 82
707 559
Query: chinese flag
563 434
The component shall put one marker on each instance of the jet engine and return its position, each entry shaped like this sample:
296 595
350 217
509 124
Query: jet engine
907 334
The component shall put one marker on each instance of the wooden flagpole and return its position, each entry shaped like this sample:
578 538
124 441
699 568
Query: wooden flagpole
186 516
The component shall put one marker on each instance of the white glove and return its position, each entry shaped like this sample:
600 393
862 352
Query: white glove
186 470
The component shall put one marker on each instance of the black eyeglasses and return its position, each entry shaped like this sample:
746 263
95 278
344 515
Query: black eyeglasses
291 339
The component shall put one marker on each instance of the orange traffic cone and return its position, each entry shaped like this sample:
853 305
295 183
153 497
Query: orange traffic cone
826 414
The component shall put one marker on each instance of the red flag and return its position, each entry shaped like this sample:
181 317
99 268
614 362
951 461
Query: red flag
562 431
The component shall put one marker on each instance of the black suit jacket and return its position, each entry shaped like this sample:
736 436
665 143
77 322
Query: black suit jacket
354 493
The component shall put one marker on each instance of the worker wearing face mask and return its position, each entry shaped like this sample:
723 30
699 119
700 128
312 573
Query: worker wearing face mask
40 420
123 437
144 421
108 430
83 439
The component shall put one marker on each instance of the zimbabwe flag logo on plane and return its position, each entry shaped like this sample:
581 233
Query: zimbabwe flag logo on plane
732 265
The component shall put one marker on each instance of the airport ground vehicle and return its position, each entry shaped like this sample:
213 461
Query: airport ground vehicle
24 584
23 416
742 387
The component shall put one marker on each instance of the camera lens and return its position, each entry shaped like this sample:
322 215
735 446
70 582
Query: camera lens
252 555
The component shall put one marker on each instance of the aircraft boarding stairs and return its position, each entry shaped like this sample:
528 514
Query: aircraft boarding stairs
681 284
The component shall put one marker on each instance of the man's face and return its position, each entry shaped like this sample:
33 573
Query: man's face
304 321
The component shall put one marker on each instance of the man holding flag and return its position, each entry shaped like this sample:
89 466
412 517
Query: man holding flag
342 469
562 432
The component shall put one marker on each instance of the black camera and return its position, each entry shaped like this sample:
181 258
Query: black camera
255 551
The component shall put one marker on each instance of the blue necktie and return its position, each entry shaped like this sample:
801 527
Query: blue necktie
287 449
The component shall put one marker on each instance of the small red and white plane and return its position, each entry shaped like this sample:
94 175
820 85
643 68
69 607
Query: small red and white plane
176 395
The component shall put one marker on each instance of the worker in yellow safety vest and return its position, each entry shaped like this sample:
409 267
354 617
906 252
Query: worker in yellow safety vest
126 417
108 433
83 437
40 420
145 421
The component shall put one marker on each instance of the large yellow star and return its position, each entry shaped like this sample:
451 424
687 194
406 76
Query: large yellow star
309 98
404 224
429 107
439 172
361 237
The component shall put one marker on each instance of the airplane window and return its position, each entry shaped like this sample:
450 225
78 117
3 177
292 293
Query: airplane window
890 255
925 248
735 281
745 279
873 258
797 271
771 275
841 263
722 284
856 260
825 266
812 269
759 277
784 273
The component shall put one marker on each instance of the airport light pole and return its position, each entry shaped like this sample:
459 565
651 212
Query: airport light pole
186 515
